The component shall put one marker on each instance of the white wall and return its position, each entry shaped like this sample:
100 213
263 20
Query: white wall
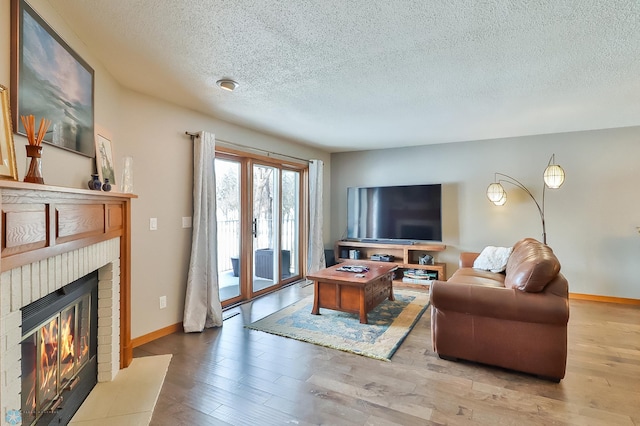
591 219
152 131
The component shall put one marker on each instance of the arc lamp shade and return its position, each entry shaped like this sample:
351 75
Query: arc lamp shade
496 192
501 201
553 176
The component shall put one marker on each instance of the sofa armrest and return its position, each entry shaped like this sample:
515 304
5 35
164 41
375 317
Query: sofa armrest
467 258
500 303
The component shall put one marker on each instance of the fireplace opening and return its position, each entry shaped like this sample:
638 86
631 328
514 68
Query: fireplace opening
59 345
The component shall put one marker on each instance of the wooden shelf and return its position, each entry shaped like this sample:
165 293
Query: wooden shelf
405 256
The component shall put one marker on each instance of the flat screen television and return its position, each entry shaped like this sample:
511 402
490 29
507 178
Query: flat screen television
404 213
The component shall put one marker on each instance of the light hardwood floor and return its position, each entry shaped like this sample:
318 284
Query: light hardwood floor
236 376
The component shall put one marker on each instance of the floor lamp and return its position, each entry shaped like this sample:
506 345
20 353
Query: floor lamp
553 178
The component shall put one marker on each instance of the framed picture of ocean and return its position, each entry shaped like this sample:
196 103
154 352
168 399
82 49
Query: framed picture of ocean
50 80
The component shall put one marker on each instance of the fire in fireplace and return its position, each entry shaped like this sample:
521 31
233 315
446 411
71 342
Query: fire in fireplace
59 345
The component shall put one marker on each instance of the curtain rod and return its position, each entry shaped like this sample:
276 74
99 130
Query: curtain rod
269 153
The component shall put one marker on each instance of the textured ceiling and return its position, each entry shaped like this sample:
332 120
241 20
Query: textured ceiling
363 74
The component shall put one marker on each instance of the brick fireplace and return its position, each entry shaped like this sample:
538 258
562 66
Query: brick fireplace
50 238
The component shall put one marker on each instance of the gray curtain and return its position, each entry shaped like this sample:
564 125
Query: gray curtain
316 260
202 306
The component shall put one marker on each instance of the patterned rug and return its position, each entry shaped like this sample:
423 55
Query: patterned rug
389 324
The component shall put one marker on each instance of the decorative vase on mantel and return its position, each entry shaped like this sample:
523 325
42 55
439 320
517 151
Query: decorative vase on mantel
34 164
95 183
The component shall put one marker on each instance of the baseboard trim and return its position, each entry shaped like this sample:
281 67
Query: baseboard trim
606 299
139 341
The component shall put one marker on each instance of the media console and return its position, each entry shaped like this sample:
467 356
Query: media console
405 256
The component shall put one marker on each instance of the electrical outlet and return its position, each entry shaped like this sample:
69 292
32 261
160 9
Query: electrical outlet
186 222
153 224
163 302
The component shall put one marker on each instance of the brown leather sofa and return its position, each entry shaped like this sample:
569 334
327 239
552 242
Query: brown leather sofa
516 319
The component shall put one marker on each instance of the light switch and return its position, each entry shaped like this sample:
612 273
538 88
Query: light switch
186 222
153 224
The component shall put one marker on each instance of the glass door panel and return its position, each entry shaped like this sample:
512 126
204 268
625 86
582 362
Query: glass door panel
228 206
290 228
265 227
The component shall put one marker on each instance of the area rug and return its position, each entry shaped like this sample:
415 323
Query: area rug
389 324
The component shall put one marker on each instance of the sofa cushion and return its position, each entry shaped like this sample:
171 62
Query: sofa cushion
532 265
477 277
493 259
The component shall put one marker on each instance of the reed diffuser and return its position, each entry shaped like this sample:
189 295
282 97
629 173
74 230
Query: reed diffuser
34 148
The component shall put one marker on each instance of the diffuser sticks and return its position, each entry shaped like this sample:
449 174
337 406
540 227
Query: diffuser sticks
29 123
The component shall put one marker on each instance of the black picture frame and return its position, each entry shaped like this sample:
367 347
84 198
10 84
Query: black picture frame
50 80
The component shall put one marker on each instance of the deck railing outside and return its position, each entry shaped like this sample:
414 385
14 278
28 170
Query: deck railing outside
229 241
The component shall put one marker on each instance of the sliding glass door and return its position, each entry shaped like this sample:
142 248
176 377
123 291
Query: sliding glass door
259 226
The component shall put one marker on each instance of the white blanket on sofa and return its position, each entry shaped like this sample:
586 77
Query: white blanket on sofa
493 259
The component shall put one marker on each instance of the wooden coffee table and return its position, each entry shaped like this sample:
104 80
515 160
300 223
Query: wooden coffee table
347 292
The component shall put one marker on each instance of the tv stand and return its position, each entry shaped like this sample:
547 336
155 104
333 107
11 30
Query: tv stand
405 256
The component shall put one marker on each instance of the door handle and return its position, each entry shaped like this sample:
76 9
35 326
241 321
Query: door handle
254 231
